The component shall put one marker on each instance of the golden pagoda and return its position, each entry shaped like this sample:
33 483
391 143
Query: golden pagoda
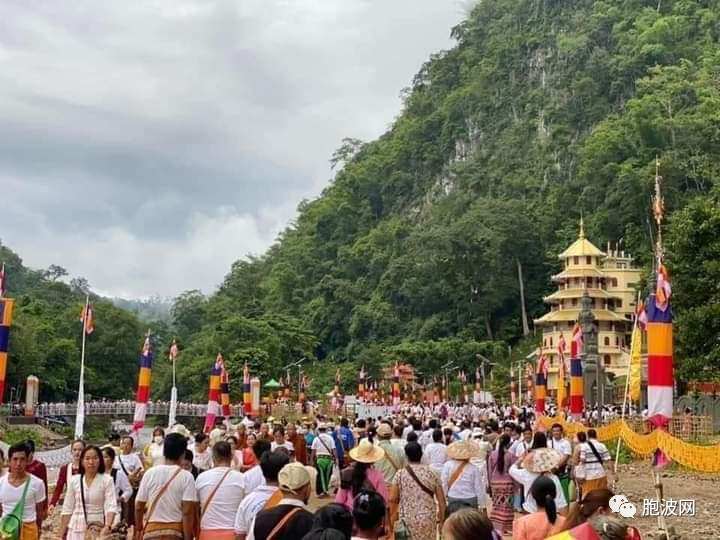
609 278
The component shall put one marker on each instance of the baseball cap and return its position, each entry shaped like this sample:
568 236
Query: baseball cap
292 477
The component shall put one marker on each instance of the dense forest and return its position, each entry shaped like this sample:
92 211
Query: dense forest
418 248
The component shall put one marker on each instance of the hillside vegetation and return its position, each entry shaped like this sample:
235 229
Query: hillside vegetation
543 110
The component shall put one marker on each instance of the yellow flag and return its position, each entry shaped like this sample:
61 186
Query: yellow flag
635 364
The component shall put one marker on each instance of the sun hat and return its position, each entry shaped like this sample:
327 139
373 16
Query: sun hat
462 450
367 452
542 460
384 430
292 477
322 425
180 429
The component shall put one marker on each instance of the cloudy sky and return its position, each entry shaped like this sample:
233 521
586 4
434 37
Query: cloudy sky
147 145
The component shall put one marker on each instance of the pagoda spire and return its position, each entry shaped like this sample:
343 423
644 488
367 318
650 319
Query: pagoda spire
582 228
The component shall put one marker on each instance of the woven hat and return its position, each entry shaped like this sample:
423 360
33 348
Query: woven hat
542 460
367 452
182 430
462 450
292 477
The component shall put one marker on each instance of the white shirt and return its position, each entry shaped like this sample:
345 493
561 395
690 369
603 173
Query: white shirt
169 508
469 485
435 455
466 434
250 507
287 444
594 469
253 479
123 489
100 500
132 462
221 512
563 446
407 431
426 438
318 446
203 460
520 448
10 495
526 478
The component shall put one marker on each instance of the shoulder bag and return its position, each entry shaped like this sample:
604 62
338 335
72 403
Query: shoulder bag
281 524
456 474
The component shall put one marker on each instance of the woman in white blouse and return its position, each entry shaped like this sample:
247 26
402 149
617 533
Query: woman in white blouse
90 501
123 489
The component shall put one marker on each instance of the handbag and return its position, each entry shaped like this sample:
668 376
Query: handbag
401 531
11 524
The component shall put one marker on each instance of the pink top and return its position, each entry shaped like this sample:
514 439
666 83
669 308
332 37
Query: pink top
535 526
376 480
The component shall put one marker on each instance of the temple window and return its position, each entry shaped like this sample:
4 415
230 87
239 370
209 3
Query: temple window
607 341
576 260
588 260
607 360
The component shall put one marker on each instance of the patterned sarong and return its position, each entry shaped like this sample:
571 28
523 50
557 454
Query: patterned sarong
502 505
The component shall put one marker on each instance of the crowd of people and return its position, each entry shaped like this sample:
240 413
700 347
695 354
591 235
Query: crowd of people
417 473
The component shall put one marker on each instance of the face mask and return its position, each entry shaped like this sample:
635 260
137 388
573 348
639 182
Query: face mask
158 439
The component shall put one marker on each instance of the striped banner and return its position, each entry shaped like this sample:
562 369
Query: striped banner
541 385
247 392
213 409
361 383
577 387
6 311
660 360
143 389
225 393
396 386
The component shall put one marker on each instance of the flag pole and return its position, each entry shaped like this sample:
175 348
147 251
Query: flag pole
80 410
173 392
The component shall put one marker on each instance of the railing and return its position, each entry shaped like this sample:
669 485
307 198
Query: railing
111 408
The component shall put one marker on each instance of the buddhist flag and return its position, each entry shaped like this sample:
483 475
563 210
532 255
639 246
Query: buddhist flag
660 351
247 393
143 389
478 386
513 385
3 284
6 311
541 385
225 393
361 383
561 373
86 317
396 385
635 383
577 388
172 355
213 408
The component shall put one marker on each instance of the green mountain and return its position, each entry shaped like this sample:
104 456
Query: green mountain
543 111
46 334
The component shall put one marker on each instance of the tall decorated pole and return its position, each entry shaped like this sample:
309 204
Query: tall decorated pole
88 327
513 384
143 389
577 384
541 384
6 312
213 407
172 356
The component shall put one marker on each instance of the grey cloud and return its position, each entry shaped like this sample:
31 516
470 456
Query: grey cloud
128 129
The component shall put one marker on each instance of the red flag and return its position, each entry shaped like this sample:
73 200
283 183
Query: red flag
576 347
87 319
662 294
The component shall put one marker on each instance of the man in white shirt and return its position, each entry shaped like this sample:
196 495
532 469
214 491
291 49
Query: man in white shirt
522 446
593 456
323 456
426 437
461 480
129 463
263 497
279 441
12 486
220 490
168 493
562 445
435 454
